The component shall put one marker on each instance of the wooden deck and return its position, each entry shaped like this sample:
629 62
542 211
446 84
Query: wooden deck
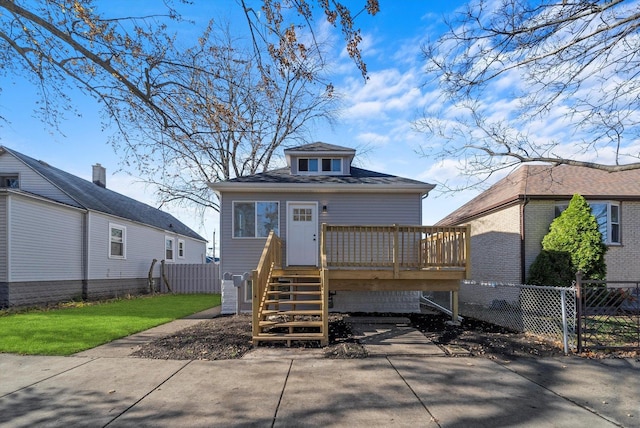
292 304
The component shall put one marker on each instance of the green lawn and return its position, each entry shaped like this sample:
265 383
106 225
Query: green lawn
66 331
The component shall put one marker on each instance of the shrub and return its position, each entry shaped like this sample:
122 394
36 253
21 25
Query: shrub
551 268
576 233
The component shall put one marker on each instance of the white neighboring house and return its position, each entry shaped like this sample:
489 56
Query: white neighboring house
63 237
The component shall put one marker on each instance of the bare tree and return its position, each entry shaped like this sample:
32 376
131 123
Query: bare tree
205 110
237 118
508 66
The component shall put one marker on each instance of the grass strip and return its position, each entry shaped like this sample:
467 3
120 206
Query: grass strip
65 331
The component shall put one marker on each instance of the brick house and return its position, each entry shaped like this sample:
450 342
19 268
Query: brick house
509 220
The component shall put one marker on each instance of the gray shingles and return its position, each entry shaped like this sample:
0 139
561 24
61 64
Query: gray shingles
93 197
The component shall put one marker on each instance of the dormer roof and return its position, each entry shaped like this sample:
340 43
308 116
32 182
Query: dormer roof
319 149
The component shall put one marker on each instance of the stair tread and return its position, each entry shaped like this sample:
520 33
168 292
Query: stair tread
290 323
295 293
289 336
294 284
295 312
293 302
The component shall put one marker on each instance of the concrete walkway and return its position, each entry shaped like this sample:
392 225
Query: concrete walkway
280 390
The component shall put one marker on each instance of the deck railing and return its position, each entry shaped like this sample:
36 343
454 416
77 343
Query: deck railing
271 257
395 247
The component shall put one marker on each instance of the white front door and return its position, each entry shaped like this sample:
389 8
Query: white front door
302 234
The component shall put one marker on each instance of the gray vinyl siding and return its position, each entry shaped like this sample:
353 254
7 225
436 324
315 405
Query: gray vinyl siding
45 241
143 244
242 255
3 237
32 182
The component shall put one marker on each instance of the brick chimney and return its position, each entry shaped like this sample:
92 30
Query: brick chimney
99 175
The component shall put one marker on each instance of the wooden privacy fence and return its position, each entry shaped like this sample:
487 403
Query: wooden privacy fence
193 278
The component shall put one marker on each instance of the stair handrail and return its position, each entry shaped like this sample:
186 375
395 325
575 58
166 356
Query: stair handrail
271 257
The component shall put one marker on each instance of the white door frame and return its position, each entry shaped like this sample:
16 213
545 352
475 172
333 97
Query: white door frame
314 205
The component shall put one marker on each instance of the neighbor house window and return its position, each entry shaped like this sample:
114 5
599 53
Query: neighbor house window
168 248
180 249
255 219
607 215
117 241
9 181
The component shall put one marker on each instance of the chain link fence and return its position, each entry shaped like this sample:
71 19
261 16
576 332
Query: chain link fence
549 312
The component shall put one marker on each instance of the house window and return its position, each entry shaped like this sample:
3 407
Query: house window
307 165
180 249
255 219
331 165
117 241
10 181
607 215
168 248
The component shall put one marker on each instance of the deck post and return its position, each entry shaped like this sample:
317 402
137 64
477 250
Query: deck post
454 307
467 251
396 254
255 304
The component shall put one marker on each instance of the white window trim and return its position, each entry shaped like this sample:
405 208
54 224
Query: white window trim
233 218
607 239
173 248
181 248
320 171
124 242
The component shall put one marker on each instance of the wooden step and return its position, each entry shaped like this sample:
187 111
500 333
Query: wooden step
296 272
292 302
289 336
296 312
294 293
293 284
290 324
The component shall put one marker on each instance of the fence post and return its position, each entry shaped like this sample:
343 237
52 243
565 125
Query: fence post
579 308
565 329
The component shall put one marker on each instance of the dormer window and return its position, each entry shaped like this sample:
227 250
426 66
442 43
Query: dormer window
307 165
331 165
328 166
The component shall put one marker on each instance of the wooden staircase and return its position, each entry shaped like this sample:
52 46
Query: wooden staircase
293 307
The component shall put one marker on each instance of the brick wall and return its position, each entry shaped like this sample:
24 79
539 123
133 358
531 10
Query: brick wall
623 261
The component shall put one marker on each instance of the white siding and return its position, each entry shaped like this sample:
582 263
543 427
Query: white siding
143 244
45 241
3 237
32 182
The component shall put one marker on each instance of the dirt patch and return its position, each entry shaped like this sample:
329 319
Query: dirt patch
229 337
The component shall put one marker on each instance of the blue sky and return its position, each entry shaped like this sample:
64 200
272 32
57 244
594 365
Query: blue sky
376 115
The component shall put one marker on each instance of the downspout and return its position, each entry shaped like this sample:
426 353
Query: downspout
85 255
523 278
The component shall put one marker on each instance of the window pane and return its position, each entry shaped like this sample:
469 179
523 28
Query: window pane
244 219
117 249
326 164
313 164
614 214
168 245
268 218
303 164
599 211
615 233
336 165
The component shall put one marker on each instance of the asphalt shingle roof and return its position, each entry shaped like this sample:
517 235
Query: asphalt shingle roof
550 182
358 176
319 146
90 196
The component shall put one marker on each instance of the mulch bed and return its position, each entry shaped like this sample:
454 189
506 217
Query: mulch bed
229 337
